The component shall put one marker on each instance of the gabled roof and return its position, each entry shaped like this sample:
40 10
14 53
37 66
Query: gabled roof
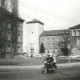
6 12
35 21
75 27
55 32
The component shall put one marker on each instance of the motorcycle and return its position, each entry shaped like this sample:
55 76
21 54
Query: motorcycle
47 68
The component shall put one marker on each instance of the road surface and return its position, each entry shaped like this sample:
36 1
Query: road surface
68 73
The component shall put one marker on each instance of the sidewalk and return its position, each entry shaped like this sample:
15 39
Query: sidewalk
39 66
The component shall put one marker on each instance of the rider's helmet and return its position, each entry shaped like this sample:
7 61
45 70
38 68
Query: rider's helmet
49 55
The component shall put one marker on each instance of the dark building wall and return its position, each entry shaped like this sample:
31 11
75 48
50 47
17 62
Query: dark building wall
12 39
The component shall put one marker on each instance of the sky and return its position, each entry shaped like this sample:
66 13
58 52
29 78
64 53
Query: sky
55 14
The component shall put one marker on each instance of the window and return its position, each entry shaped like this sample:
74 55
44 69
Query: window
8 45
58 39
78 41
19 28
67 32
43 39
56 32
53 45
19 38
78 32
69 39
48 43
74 33
8 48
18 48
9 37
9 25
62 32
53 33
48 39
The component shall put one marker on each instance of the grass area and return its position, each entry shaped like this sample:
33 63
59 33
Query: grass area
21 61
34 61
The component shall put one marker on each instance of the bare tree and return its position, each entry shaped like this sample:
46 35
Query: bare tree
14 26
15 7
3 33
2 3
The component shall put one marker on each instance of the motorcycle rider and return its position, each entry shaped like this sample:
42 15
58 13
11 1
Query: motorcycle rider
49 59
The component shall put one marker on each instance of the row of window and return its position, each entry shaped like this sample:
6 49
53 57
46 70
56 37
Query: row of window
8 49
61 32
9 38
51 45
58 39
48 39
19 27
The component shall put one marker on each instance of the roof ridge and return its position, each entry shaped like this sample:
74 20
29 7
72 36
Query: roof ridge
35 21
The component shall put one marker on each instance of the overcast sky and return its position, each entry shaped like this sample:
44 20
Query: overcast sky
55 14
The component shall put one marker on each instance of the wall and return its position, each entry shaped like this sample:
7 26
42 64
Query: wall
32 32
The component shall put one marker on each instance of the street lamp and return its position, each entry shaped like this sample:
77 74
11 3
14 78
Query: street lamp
69 47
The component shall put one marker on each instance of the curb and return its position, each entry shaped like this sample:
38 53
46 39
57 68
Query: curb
65 65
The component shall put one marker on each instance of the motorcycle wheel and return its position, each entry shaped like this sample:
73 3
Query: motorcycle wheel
44 70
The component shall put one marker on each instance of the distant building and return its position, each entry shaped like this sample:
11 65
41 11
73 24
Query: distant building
55 41
58 42
75 39
11 34
33 30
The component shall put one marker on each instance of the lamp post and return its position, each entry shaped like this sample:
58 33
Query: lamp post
69 47
32 45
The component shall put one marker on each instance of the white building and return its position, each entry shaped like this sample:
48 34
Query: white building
33 30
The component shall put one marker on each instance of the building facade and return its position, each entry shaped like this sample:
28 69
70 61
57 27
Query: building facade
33 30
55 41
59 42
11 34
75 39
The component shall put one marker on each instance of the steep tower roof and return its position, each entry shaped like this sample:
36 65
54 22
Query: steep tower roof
35 21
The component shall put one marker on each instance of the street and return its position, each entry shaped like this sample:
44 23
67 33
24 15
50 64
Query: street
69 73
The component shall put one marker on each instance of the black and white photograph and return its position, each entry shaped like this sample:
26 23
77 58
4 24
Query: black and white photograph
39 39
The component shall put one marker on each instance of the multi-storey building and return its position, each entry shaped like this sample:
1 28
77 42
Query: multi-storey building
55 41
63 42
11 34
11 29
75 39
